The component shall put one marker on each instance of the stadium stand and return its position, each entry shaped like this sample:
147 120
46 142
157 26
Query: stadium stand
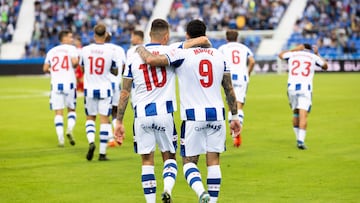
80 16
9 11
334 25
233 14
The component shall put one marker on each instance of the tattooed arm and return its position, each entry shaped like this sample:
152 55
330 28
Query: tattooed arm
231 100
119 130
149 58
124 98
230 93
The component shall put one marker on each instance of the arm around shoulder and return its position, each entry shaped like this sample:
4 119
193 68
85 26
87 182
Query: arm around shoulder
151 59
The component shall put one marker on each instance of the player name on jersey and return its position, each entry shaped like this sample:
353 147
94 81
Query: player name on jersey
202 50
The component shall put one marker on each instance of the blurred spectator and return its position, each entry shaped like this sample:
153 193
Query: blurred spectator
333 24
9 12
220 15
120 16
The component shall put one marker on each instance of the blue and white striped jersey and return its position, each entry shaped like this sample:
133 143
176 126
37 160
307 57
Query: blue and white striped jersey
302 66
153 90
200 73
236 56
97 60
61 68
120 60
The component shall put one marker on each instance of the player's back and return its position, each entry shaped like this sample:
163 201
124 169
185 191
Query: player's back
153 90
200 77
61 68
120 60
236 56
97 60
301 66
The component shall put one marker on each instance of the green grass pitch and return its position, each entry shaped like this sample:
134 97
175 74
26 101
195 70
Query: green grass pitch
266 168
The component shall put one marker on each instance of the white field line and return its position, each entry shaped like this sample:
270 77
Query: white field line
12 93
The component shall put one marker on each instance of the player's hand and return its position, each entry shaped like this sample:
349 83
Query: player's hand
119 132
235 129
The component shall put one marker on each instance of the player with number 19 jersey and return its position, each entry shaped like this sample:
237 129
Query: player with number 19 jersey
301 66
153 91
62 71
97 60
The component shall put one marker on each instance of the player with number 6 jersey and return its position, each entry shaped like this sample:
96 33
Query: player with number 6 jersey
302 64
60 62
241 62
98 62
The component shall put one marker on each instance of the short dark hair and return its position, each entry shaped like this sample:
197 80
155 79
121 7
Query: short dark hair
196 28
159 27
63 33
307 46
100 30
232 35
138 33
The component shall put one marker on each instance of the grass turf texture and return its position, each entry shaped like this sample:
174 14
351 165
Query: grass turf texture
266 168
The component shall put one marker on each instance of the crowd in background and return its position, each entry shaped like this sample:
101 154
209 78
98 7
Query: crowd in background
333 25
120 16
222 14
9 10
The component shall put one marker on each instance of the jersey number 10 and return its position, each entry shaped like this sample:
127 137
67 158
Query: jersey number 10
144 68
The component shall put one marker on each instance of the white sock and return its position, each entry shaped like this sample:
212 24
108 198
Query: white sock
213 182
90 130
193 178
296 131
169 174
59 127
148 183
111 132
71 121
241 116
104 136
302 134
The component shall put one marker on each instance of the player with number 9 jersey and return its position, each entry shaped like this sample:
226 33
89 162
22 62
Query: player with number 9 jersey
206 103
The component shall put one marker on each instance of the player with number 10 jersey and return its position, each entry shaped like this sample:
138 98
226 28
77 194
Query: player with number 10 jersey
153 87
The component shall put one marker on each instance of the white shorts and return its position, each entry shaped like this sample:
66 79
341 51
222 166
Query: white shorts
94 106
199 137
299 100
153 130
240 89
60 100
